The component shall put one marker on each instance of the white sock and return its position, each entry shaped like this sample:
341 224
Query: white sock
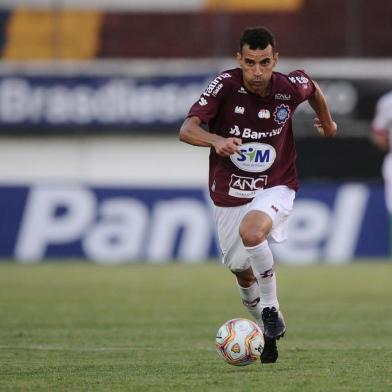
251 300
263 268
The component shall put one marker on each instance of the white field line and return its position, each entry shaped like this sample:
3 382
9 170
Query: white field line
40 347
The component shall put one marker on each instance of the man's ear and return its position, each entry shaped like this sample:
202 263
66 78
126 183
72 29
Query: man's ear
239 57
276 58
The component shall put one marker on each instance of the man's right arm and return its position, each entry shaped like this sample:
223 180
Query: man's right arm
192 133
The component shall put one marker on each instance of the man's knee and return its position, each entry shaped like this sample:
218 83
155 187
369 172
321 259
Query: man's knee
252 238
255 228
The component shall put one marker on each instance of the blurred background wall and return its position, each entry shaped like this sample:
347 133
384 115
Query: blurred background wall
92 94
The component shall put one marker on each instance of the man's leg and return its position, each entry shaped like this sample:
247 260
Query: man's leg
250 293
238 260
254 230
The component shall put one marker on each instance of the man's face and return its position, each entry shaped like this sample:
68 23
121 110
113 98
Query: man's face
257 66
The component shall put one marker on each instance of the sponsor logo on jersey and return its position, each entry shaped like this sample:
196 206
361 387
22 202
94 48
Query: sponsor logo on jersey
281 114
212 87
298 79
248 133
264 113
254 157
246 187
203 101
235 131
283 97
242 90
218 88
239 110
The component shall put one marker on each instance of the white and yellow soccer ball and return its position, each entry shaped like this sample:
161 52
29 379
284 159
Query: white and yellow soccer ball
239 342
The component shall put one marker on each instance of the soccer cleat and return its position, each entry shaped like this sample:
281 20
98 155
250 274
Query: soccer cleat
270 351
274 326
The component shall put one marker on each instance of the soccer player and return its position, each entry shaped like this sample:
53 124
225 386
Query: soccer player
252 175
381 135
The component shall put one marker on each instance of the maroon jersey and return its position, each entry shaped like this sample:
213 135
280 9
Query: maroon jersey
264 124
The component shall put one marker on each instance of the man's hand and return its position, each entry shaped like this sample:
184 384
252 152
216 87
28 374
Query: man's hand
326 130
192 133
380 138
227 146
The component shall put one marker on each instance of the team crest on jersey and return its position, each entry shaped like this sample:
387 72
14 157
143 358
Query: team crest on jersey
281 114
264 113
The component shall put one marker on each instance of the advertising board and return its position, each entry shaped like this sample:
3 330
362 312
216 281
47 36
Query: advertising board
331 222
91 103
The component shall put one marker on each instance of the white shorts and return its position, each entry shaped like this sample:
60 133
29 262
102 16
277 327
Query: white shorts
277 202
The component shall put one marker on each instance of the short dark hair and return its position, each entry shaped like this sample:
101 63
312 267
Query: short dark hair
257 38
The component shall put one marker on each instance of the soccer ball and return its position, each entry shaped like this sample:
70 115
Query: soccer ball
239 342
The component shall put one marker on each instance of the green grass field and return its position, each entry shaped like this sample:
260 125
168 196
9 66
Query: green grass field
79 326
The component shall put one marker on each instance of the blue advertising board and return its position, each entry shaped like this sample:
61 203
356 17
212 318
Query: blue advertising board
331 222
66 102
90 102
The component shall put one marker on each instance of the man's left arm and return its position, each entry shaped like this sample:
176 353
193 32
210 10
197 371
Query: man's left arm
323 122
381 123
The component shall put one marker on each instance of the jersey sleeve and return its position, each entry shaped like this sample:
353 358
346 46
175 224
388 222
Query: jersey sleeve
207 107
302 86
382 121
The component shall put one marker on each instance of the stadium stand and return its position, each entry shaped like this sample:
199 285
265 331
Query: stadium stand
304 31
197 29
255 5
3 24
45 34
